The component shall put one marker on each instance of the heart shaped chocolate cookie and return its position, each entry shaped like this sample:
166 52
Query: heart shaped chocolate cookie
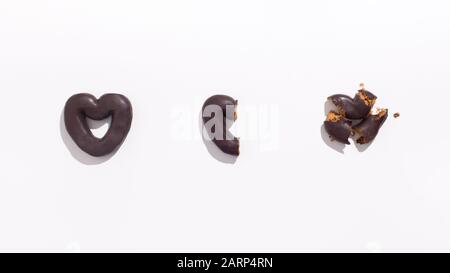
82 106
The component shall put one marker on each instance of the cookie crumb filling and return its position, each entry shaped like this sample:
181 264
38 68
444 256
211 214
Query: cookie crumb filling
333 117
364 97
380 112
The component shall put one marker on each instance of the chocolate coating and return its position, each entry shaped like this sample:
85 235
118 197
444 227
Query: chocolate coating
82 106
227 143
337 127
357 107
369 127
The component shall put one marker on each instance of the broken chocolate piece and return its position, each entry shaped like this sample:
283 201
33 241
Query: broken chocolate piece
82 106
337 127
219 113
354 108
368 129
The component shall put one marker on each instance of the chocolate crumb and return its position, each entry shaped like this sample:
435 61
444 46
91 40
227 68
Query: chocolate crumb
396 115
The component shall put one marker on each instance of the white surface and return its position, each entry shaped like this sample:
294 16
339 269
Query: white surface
288 191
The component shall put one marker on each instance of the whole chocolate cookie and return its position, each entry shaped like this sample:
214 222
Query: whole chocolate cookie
82 106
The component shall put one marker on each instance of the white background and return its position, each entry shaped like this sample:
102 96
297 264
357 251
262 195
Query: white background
162 192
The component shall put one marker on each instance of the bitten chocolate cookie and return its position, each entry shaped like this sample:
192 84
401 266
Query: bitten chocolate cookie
82 106
337 127
357 107
219 113
367 130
